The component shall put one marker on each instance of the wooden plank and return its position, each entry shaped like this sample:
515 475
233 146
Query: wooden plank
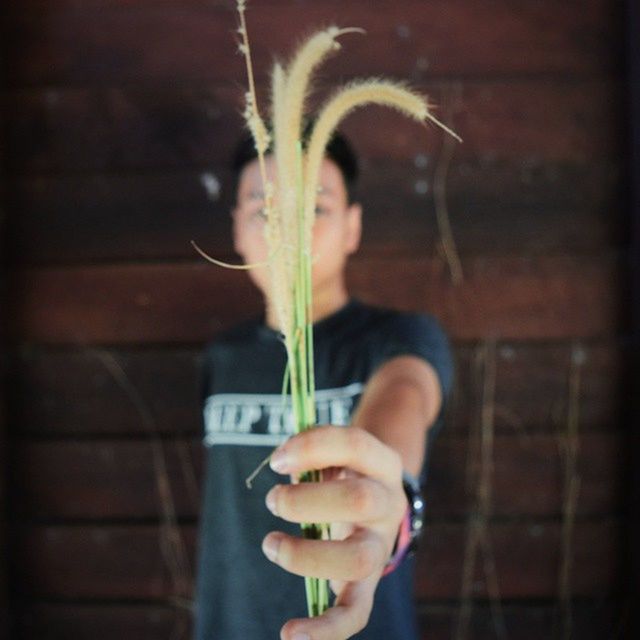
153 300
509 297
142 127
100 562
55 393
155 215
71 392
632 38
116 562
589 619
528 476
532 387
527 560
47 621
115 479
78 44
592 620
106 479
4 374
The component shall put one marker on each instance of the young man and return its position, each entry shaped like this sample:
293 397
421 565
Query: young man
382 380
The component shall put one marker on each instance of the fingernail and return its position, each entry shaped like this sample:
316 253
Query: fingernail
301 636
279 461
271 501
270 546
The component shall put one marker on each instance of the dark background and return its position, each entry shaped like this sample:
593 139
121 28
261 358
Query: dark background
117 119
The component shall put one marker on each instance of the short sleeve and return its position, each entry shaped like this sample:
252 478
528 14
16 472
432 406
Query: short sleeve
423 336
205 378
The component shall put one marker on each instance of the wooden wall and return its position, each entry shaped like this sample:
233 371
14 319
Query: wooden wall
119 120
633 145
4 454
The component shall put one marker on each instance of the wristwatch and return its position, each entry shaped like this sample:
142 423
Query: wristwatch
411 525
413 492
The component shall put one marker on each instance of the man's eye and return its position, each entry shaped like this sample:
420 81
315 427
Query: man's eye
320 210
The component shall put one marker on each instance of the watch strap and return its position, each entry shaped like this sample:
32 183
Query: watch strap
403 542
411 524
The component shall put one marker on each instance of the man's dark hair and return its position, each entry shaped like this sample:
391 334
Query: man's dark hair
339 150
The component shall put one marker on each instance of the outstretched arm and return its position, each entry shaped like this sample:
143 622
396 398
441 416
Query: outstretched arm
399 404
362 493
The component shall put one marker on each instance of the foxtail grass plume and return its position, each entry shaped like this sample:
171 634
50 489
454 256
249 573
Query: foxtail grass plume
290 207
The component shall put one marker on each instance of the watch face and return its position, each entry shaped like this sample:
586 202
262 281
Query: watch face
416 504
417 517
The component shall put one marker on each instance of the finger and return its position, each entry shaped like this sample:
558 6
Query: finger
350 500
354 558
332 446
337 586
349 615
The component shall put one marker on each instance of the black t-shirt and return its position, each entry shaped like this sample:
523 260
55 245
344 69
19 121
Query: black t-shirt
239 593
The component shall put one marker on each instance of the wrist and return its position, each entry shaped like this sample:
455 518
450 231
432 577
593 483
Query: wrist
411 524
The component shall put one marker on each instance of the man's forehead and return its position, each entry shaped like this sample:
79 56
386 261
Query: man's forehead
331 180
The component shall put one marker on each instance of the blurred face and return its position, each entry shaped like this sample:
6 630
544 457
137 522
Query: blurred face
336 230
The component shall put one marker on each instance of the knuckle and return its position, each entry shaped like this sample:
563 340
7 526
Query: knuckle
396 463
305 444
286 553
357 441
360 498
366 558
361 616
282 500
288 630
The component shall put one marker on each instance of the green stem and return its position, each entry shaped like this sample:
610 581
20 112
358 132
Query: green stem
302 379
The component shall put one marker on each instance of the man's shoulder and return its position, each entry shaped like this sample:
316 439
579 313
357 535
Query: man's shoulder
390 319
240 333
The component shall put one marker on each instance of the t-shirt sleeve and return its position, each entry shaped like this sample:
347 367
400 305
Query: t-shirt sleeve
423 336
205 379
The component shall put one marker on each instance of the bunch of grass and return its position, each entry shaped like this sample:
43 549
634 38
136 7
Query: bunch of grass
290 210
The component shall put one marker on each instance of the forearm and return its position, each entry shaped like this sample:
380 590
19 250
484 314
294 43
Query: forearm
399 405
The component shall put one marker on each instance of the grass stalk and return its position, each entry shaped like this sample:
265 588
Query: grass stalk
316 588
290 215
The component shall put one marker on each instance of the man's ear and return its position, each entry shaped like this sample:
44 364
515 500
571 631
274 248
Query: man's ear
354 227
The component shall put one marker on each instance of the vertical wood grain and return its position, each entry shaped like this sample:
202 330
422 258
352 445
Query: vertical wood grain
4 600
633 114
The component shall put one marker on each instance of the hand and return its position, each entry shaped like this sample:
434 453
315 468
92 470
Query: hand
362 496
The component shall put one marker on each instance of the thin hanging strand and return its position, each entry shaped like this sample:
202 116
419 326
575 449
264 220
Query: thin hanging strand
246 50
439 191
228 265
252 476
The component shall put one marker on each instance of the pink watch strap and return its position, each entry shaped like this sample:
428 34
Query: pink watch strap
402 543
